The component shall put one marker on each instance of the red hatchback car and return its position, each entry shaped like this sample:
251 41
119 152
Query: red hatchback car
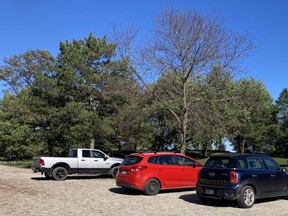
152 172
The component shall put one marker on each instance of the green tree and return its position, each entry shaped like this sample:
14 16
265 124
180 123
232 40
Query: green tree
282 105
85 68
212 114
18 74
254 113
50 116
282 118
19 71
17 137
83 96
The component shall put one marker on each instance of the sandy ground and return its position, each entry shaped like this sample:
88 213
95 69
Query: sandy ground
23 192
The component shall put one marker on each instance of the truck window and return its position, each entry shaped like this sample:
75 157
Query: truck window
97 154
86 153
72 153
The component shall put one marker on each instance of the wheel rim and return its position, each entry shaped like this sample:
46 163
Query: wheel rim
60 173
249 197
153 186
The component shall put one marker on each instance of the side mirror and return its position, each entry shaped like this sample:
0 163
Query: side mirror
105 157
283 170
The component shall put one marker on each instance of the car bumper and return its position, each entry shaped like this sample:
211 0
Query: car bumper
131 180
40 169
127 185
214 192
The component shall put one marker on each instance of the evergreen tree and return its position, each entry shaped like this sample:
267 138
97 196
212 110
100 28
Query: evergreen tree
282 118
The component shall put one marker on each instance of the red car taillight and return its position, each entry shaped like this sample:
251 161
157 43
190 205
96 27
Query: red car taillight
138 168
42 163
233 177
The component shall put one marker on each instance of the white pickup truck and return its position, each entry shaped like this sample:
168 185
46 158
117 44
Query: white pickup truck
78 161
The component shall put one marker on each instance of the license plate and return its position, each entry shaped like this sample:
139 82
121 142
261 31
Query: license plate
209 191
123 172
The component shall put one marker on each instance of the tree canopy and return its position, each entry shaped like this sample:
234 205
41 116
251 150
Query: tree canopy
97 93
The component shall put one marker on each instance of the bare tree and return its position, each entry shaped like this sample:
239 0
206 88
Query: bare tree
185 46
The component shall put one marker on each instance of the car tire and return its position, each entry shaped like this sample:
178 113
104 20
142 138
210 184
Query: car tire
152 187
59 174
48 176
113 171
247 197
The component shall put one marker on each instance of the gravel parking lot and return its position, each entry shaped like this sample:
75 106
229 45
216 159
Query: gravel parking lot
23 192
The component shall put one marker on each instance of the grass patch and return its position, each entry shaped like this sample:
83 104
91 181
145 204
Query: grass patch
282 161
203 160
17 163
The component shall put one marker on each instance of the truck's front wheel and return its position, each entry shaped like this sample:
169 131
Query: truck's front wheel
59 173
113 171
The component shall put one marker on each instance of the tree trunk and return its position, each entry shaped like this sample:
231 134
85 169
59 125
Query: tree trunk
184 121
92 143
242 146
205 150
50 147
183 134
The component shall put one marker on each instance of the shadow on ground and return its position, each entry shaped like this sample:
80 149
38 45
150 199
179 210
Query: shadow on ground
194 198
127 191
75 177
119 190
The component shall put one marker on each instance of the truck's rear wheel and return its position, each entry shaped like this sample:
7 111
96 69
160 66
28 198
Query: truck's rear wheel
59 174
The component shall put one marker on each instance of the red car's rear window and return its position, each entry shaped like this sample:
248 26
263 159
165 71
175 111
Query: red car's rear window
131 160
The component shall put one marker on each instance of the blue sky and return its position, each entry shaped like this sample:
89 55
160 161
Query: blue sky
42 24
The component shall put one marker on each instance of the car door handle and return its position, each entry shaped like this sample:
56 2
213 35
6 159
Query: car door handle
273 175
254 175
82 160
95 160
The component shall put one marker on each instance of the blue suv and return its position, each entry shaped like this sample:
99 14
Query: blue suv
241 177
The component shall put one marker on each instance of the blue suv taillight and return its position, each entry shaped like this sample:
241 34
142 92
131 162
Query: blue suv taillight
233 177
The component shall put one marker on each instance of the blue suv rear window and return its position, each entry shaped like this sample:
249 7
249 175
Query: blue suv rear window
218 162
131 160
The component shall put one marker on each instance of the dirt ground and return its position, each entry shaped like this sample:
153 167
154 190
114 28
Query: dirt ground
23 192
